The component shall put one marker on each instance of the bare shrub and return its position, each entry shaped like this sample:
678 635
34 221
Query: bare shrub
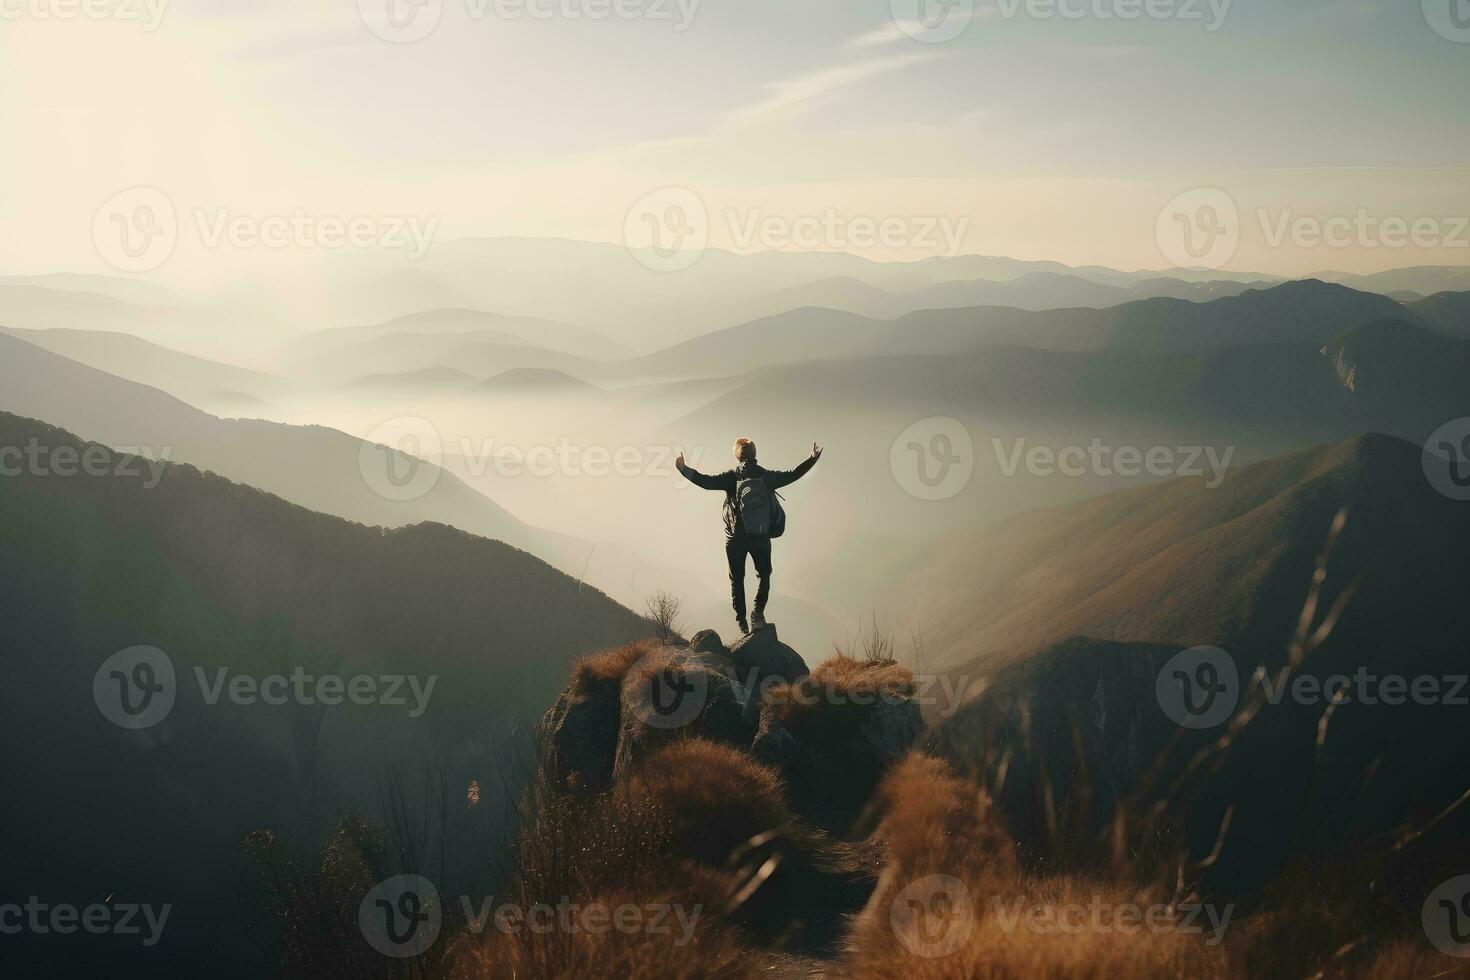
663 613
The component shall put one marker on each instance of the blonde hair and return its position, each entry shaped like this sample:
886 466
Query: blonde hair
744 449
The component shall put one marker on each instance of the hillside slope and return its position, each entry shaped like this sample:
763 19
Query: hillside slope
1066 623
1182 563
222 577
317 467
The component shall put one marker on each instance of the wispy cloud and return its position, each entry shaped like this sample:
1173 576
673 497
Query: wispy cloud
789 94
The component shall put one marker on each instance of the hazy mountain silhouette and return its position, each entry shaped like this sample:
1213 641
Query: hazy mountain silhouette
428 381
1447 312
601 286
1307 311
1300 391
535 381
218 330
475 352
317 467
132 290
1426 280
200 382
220 576
512 330
1028 291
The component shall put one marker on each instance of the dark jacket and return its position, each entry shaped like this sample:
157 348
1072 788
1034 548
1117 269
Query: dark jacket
727 481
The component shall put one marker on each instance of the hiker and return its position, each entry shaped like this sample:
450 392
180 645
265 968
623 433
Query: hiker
753 516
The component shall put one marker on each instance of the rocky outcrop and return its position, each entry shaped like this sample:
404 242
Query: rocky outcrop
830 734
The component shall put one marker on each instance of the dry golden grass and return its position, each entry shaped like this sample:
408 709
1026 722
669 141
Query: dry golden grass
1404 960
841 682
660 837
942 837
714 796
609 666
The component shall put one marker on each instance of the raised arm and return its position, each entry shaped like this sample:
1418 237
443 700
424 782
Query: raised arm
776 479
719 481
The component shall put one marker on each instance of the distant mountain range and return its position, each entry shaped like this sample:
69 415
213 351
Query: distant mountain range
520 331
203 383
1028 291
1309 311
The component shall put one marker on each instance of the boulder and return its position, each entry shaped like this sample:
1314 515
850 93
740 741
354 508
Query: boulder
677 692
761 659
708 641
580 733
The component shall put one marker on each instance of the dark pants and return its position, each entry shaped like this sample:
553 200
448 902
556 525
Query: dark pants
759 549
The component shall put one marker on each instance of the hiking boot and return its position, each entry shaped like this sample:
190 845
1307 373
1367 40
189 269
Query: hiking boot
758 621
744 626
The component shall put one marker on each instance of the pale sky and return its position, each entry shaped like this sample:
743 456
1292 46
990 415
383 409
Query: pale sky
1045 137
